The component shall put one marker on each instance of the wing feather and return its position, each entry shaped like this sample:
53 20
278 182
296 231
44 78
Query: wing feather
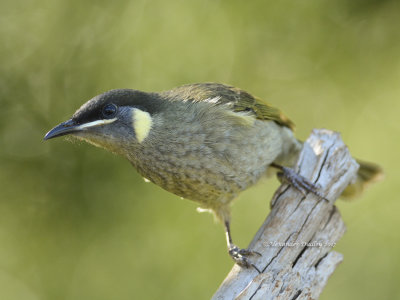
239 100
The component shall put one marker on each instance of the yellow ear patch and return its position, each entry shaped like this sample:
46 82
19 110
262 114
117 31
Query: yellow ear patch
141 122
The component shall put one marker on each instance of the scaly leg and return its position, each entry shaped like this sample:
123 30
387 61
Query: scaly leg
302 184
240 256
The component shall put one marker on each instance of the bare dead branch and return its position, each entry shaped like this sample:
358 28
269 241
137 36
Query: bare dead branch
297 237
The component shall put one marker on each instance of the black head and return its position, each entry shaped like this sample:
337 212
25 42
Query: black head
101 106
112 119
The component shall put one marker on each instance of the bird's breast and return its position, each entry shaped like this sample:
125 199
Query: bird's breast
209 159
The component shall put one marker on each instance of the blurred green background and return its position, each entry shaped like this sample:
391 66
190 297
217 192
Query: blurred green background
79 223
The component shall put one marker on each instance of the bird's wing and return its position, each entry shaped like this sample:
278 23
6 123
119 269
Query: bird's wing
241 101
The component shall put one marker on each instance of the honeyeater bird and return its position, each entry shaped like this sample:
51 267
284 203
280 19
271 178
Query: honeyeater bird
205 142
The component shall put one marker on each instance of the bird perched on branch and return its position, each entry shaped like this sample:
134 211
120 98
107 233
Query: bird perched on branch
205 142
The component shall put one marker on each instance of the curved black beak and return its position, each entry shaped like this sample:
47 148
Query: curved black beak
64 128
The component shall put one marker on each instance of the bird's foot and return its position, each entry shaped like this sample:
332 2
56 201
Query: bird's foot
302 184
241 256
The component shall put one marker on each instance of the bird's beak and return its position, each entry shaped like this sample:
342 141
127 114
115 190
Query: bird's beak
64 128
71 126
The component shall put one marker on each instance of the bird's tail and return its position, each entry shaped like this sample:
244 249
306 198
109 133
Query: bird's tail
367 174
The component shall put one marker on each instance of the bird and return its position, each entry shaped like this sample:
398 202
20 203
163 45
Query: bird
205 142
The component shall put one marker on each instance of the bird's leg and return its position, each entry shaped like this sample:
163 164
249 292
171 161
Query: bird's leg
240 256
303 185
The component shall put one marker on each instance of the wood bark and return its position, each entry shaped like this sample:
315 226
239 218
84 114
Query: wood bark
296 239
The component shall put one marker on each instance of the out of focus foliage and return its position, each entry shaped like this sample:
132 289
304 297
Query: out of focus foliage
79 223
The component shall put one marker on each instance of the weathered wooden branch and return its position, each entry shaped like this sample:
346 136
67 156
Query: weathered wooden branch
297 237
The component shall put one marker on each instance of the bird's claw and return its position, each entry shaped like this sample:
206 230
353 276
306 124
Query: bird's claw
302 184
241 256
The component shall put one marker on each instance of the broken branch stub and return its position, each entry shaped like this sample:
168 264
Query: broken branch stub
297 237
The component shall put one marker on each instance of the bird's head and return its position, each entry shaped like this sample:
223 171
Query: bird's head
115 120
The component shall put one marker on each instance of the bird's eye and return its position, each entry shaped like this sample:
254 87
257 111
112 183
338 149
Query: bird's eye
109 110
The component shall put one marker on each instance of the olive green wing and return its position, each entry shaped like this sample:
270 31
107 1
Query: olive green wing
240 100
262 110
